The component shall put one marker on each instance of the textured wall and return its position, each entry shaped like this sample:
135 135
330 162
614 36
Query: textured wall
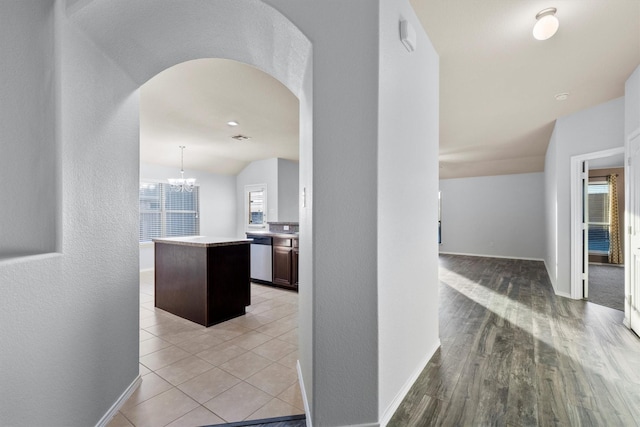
69 321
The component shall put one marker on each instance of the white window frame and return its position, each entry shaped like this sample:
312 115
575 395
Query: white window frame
164 211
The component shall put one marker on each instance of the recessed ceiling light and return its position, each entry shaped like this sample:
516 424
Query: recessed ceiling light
233 123
562 96
546 24
240 137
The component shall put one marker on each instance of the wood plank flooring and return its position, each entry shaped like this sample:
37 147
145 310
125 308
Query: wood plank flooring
515 354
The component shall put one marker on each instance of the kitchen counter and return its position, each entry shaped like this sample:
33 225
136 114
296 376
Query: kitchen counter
203 241
202 279
271 234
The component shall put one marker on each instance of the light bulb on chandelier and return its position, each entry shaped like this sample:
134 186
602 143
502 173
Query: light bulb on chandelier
182 183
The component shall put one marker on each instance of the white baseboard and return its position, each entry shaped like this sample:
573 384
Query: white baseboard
113 411
563 294
395 404
490 256
303 391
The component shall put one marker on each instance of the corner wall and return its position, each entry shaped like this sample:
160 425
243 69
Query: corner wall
588 131
288 194
407 158
258 172
500 216
69 321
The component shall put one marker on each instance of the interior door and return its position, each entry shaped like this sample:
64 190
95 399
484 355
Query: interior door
633 218
585 228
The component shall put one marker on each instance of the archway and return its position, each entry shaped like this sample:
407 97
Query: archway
245 31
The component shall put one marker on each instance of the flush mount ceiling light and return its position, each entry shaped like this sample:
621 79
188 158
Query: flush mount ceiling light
562 96
547 24
182 184
240 137
233 123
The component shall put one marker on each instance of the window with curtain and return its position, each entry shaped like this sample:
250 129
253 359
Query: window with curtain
166 213
599 217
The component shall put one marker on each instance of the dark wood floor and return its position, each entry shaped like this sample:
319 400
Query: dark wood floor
515 354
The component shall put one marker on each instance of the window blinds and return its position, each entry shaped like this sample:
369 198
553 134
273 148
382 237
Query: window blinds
166 213
599 217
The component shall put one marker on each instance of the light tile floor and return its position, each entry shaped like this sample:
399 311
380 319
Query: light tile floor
241 369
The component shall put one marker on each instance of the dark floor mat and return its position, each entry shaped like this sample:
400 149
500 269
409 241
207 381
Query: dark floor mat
288 421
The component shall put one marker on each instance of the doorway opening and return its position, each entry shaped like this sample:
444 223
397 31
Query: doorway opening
598 232
243 368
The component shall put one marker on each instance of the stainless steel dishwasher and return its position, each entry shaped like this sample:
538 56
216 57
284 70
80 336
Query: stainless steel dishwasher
261 263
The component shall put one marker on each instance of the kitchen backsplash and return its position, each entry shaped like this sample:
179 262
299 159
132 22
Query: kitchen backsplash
279 227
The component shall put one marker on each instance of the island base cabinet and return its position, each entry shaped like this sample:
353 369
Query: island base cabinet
206 285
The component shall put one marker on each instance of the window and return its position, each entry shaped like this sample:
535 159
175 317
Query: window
166 213
599 217
256 206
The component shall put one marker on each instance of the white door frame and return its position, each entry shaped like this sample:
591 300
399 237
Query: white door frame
576 216
628 282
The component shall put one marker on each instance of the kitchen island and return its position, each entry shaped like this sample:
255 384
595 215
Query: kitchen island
202 279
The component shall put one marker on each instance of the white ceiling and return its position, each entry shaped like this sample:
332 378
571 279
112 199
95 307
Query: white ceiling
190 104
497 87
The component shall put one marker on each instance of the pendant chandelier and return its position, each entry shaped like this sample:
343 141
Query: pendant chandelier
182 184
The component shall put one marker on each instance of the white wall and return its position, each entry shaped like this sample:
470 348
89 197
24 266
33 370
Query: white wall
631 126
258 172
407 189
28 194
498 216
551 209
217 203
288 197
69 322
282 179
588 131
632 103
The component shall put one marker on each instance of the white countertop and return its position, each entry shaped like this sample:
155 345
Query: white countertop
204 241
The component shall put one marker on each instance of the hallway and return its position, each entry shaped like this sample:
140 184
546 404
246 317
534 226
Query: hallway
513 353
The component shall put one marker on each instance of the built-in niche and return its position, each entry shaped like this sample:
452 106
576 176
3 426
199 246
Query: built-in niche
28 195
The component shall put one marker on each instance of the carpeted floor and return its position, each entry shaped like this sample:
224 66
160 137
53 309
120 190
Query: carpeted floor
606 285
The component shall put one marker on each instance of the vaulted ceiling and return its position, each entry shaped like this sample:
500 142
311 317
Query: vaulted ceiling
497 89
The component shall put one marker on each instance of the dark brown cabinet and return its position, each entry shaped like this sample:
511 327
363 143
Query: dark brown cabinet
202 283
285 262
294 264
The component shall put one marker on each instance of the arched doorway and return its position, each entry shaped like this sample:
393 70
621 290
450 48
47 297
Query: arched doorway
246 367
245 31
